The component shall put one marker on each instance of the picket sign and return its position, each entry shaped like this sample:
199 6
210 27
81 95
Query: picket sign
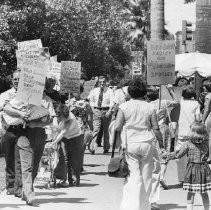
55 72
160 62
32 80
30 45
70 77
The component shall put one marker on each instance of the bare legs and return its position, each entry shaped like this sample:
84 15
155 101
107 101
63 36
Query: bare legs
190 200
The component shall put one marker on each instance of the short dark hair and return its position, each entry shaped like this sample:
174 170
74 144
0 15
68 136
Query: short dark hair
137 88
207 85
62 109
178 79
152 93
189 92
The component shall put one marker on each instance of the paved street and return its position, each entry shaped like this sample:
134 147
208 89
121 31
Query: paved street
98 191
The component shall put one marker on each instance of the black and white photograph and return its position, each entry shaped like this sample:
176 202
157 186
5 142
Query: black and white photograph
105 104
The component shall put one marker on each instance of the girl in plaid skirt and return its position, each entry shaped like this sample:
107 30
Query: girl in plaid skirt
198 174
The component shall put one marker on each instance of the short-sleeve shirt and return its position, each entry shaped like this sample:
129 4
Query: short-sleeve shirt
196 153
71 127
120 95
188 111
137 116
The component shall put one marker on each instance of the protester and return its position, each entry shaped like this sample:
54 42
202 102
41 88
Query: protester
181 82
31 145
50 91
70 133
83 113
140 119
101 101
162 108
9 142
189 113
198 174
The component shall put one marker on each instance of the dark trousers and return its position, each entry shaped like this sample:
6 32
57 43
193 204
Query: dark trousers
31 145
74 151
12 158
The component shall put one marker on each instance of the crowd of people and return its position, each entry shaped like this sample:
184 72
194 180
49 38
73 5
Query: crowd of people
150 137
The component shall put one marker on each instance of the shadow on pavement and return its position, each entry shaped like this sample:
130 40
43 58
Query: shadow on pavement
50 193
95 173
171 206
93 165
62 200
87 185
14 206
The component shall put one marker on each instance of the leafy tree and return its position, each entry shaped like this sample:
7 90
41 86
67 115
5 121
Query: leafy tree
89 31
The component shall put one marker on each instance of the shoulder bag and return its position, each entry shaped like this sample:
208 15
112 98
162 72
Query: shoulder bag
118 166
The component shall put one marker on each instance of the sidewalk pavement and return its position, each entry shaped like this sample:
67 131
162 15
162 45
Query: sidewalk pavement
98 191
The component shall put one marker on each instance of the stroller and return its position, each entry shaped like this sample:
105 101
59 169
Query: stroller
53 165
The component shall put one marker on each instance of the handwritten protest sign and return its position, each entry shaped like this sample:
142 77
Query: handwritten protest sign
29 45
33 54
70 77
32 80
88 86
55 72
160 62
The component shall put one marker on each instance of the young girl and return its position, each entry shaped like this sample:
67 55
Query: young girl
198 174
70 133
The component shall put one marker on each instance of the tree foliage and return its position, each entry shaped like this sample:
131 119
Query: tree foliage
90 31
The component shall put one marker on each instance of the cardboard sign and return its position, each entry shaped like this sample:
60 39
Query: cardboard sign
29 45
33 54
137 62
160 62
70 77
32 80
55 72
88 86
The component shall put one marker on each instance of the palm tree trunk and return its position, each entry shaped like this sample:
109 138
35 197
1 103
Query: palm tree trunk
157 20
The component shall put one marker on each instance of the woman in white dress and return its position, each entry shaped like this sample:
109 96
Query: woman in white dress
140 120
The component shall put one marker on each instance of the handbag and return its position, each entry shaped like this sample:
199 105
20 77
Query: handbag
118 166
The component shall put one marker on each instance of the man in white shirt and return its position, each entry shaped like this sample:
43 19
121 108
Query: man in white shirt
101 101
9 142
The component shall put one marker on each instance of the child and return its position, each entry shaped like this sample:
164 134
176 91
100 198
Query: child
70 133
198 174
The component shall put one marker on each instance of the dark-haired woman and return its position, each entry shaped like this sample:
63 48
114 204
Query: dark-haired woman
189 113
70 133
139 118
207 113
181 82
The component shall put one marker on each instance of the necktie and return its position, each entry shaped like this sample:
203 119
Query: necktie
100 99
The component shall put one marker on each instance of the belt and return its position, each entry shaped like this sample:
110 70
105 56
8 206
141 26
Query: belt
102 108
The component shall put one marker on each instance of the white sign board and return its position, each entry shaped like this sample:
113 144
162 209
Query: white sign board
70 77
32 80
160 62
29 45
55 71
137 62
